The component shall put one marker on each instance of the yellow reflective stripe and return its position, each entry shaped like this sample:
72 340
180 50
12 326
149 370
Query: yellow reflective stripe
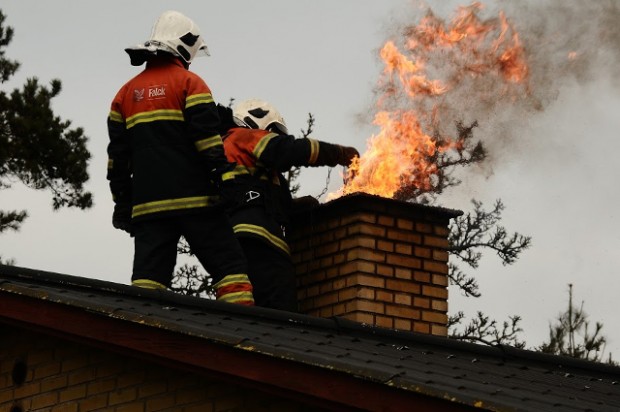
239 170
228 176
208 143
314 151
195 99
154 116
262 232
237 297
148 284
115 116
110 163
235 288
262 144
244 170
173 204
230 279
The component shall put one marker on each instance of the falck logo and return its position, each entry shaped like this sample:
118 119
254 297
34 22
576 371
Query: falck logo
138 95
157 92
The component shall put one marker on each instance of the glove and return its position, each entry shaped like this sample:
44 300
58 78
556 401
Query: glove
235 289
225 182
121 217
346 155
226 119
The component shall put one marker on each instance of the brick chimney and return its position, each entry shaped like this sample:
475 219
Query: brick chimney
374 260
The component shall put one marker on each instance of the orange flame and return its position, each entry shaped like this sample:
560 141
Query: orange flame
415 90
511 61
393 153
407 71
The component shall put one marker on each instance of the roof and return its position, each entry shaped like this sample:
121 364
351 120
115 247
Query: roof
290 352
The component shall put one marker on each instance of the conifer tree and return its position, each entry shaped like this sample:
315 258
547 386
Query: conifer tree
38 148
572 335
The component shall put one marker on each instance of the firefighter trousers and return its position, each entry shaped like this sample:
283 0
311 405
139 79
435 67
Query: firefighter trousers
209 235
272 274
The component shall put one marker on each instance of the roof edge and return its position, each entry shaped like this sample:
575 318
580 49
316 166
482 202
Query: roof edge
336 324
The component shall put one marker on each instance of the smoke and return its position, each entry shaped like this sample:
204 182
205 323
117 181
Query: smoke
569 40
564 43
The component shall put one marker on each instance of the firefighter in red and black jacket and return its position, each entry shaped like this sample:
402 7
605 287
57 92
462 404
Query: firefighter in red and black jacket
262 150
167 168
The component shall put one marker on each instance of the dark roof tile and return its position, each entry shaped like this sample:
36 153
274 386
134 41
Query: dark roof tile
493 378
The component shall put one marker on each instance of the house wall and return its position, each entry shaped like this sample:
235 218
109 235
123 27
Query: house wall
60 375
374 260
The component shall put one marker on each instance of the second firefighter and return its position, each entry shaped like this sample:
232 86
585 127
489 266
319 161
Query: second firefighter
257 140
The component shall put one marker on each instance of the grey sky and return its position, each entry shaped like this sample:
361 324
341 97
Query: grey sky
556 176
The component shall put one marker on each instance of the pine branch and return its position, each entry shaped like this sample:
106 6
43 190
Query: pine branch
12 220
484 330
477 230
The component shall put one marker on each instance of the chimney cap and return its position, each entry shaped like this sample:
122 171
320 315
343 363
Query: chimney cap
364 202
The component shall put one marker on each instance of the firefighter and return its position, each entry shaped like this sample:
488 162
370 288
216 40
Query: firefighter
262 149
167 169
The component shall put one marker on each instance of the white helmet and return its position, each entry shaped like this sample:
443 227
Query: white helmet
175 33
259 114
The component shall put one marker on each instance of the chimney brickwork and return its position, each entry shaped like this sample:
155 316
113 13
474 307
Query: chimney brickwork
374 260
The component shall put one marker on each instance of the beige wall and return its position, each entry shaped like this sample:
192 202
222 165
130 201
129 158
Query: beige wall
66 376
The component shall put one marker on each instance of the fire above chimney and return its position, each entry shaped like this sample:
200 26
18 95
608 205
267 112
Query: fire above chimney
374 260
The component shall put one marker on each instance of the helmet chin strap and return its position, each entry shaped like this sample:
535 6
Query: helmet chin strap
251 123
277 128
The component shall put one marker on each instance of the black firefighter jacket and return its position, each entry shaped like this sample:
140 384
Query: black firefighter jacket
264 198
164 142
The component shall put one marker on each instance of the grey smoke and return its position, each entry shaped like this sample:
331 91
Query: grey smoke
550 31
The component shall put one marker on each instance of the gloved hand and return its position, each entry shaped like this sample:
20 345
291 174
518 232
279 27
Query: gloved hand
346 155
121 217
226 119
222 177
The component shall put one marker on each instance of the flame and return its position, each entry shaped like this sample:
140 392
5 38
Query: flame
374 172
436 59
407 71
511 60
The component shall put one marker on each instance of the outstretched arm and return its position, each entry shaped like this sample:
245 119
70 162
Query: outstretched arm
283 152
